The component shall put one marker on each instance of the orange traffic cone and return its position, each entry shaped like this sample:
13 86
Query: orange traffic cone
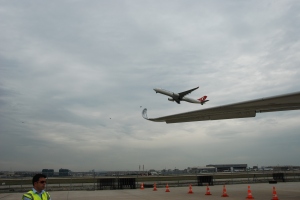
142 186
154 188
190 190
207 190
275 197
249 194
224 192
167 188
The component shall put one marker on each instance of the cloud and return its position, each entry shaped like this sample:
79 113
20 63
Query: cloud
75 76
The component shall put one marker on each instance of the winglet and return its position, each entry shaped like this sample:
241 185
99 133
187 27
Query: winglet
144 113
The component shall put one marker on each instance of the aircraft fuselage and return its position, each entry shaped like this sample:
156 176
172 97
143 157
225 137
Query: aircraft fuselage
175 96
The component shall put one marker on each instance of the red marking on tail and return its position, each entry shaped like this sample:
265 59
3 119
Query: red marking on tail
202 98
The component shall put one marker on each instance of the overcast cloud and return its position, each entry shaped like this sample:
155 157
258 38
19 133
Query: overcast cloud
75 76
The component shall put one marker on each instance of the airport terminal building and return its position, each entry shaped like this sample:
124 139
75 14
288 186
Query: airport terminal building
48 172
229 167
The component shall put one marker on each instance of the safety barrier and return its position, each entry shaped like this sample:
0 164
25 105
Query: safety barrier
205 179
116 183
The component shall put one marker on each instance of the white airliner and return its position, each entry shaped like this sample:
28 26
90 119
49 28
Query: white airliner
177 97
244 109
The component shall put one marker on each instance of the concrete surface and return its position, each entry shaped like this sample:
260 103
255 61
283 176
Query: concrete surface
261 191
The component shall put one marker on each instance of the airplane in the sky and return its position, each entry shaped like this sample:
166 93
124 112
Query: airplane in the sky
243 109
177 97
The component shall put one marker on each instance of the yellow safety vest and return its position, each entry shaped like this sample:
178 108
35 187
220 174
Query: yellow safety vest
33 196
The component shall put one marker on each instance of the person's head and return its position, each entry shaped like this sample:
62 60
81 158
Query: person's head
39 182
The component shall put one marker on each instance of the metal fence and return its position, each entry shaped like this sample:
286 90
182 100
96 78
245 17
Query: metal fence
176 180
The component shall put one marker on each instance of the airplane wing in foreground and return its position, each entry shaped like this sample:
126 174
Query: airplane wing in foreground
244 109
182 94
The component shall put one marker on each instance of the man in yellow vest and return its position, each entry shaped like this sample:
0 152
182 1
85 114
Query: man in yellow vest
37 192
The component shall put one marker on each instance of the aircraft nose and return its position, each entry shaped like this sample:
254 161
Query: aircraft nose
156 90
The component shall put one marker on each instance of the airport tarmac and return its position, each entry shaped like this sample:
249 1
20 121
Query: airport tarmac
260 191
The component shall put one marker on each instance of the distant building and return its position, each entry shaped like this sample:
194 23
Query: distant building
281 168
196 170
229 167
64 172
48 172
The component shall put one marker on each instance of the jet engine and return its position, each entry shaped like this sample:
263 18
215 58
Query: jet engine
170 99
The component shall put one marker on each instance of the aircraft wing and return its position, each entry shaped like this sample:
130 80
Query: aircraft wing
244 109
182 94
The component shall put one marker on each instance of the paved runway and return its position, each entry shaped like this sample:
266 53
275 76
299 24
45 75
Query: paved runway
261 191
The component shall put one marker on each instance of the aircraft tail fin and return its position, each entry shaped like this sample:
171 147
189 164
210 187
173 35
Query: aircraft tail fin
203 100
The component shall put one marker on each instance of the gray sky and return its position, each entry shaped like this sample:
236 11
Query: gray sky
74 75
